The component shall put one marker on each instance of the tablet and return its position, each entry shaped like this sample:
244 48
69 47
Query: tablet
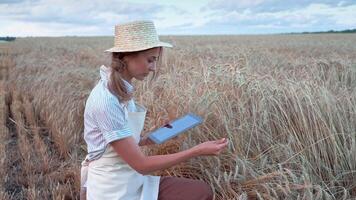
175 128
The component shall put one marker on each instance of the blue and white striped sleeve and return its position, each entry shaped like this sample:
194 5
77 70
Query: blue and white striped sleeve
111 120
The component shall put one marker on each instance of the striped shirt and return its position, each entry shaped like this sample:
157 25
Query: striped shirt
105 118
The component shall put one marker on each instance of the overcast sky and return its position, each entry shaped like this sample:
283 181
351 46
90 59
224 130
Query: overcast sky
98 17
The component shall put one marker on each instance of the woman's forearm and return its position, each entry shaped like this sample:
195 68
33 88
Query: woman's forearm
131 153
159 162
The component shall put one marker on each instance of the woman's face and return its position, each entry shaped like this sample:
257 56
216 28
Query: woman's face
139 65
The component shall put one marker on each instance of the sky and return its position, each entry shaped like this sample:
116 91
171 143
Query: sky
22 18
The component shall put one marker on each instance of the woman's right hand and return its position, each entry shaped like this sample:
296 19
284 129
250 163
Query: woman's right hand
211 148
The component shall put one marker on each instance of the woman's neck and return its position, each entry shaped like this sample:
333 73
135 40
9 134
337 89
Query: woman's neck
126 76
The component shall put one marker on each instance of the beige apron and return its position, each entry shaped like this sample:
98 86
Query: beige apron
111 178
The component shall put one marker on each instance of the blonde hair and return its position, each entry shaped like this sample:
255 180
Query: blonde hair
116 85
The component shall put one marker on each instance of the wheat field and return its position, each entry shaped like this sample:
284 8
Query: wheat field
287 103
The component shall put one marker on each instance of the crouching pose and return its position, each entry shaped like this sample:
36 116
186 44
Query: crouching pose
115 168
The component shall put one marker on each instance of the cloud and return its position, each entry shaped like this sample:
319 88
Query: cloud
80 13
96 17
11 1
51 29
270 5
74 12
313 16
168 17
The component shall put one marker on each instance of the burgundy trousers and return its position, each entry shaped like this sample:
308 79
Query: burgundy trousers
177 188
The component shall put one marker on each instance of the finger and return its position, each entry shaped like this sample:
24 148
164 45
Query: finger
220 141
218 152
221 146
164 122
226 142
172 111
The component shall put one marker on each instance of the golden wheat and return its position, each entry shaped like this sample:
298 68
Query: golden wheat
286 103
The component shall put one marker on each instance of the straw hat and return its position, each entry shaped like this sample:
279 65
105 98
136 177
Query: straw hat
136 36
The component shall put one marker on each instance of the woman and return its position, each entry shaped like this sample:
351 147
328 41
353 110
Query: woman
115 167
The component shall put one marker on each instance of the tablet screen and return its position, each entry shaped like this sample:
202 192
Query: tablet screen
175 128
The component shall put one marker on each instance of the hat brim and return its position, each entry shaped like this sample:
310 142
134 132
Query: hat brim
158 44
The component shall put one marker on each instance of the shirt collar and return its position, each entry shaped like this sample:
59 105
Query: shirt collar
104 76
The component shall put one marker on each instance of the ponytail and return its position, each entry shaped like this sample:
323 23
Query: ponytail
116 85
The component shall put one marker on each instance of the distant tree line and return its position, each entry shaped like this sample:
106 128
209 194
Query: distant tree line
7 38
330 31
